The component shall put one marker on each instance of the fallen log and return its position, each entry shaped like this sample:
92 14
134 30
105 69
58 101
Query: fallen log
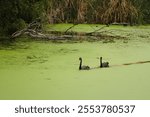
32 30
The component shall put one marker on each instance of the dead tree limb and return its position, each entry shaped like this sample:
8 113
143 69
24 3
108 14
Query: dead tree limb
32 31
70 28
90 33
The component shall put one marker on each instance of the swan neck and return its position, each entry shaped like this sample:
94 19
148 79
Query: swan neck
100 62
80 64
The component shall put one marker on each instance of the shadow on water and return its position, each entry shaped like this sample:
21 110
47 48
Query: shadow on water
6 42
139 62
126 64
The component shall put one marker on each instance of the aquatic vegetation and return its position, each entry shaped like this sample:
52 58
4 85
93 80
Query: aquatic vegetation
50 70
108 34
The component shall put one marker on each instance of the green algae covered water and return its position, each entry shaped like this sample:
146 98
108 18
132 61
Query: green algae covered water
48 70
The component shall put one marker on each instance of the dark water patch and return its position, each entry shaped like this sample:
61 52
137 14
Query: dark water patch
109 41
143 36
65 50
33 58
125 41
75 50
57 41
6 43
9 44
43 61
48 79
71 41
67 41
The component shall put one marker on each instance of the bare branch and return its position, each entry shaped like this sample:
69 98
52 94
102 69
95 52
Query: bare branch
70 27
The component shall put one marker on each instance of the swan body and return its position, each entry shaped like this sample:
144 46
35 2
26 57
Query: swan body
103 64
83 67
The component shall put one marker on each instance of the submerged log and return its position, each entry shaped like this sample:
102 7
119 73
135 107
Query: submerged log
32 30
34 34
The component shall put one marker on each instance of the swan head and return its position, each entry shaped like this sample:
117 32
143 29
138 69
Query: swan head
80 58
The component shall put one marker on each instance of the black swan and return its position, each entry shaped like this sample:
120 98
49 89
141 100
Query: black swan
103 64
83 67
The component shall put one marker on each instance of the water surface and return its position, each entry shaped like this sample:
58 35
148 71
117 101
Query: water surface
48 70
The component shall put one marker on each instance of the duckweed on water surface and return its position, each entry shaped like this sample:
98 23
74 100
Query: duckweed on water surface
48 70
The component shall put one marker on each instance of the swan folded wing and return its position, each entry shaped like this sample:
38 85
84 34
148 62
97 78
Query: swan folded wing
85 67
105 64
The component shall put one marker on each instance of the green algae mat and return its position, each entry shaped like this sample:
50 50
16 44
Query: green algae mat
45 70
